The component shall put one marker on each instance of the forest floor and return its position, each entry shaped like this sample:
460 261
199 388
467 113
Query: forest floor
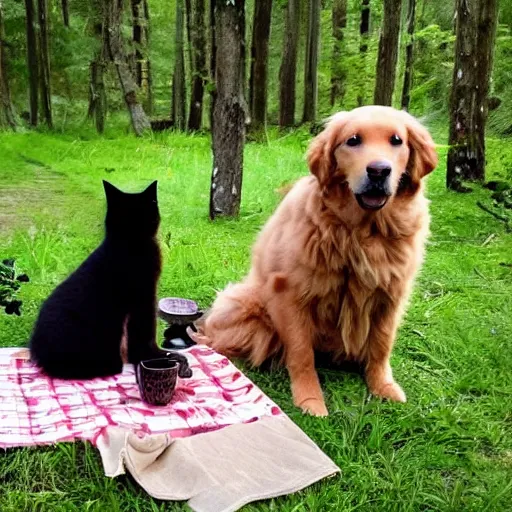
448 449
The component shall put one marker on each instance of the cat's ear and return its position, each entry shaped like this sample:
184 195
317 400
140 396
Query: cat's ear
151 190
110 190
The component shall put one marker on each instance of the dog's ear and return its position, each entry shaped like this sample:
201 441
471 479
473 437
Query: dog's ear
320 156
424 156
319 161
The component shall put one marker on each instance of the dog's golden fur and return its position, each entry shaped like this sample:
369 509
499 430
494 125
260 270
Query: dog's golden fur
328 274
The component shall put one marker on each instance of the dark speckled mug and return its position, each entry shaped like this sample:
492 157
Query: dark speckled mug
157 380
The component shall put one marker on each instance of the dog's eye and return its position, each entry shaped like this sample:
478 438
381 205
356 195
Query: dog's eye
395 140
355 140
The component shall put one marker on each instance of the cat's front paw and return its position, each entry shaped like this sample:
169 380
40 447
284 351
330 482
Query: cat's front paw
184 370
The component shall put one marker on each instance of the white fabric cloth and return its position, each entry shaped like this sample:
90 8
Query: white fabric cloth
219 471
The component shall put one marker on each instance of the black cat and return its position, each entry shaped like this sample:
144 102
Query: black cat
80 326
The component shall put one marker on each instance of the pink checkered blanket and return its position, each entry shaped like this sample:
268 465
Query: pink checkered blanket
37 410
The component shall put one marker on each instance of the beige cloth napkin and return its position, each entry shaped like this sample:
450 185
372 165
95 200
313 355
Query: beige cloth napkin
219 471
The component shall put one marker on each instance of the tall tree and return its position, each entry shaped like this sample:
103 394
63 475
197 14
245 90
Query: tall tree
213 59
461 162
388 53
486 36
198 63
6 111
117 54
243 67
64 7
188 24
178 79
364 31
338 73
142 64
409 55
228 133
311 67
259 62
288 70
97 66
97 94
32 61
44 62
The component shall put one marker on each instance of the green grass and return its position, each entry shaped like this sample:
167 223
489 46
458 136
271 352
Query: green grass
449 448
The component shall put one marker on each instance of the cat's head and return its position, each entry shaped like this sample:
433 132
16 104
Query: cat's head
131 215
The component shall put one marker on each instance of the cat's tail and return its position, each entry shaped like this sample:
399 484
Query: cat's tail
23 354
238 325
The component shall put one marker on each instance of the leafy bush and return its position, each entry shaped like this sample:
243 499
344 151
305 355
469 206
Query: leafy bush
9 285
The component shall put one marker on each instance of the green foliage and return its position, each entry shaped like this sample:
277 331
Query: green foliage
501 119
73 48
432 70
9 285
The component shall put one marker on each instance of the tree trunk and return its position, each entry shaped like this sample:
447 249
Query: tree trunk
486 36
44 62
178 80
98 98
199 72
6 111
311 67
65 12
142 65
259 63
364 31
97 95
288 71
32 62
364 26
243 66
188 24
137 39
409 56
229 113
147 76
388 53
338 72
213 57
461 162
140 121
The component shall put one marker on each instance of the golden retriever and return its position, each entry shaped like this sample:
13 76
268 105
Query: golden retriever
333 267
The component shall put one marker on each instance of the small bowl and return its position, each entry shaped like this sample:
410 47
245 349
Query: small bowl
178 311
157 380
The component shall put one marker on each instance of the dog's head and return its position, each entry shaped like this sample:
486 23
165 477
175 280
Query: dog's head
375 152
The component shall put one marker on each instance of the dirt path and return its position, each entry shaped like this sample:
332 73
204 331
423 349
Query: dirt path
21 200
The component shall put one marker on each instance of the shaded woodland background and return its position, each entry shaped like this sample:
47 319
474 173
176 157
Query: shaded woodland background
69 64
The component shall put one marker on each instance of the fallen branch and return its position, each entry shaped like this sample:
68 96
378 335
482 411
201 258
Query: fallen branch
489 239
501 218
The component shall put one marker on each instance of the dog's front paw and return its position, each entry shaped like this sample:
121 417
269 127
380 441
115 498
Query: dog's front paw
199 337
315 407
390 391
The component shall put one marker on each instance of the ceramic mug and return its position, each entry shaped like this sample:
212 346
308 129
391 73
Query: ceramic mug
157 380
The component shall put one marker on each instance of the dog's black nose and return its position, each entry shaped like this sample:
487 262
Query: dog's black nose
378 170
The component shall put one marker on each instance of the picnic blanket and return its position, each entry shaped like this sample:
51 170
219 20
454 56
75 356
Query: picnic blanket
35 409
219 444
